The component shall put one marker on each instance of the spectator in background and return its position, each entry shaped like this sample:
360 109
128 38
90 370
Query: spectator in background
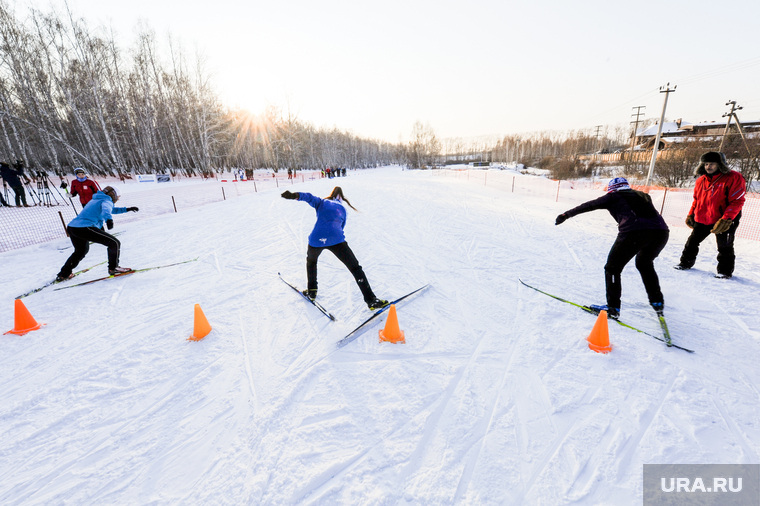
13 176
716 208
82 186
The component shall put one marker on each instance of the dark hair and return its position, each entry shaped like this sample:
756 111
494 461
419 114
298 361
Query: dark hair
337 193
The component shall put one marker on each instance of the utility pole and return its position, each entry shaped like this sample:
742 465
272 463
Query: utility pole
598 128
667 91
635 127
730 115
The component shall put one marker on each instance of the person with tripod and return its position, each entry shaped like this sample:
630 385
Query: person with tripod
13 176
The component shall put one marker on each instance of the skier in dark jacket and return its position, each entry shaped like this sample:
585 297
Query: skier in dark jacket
13 176
641 233
88 227
328 234
716 208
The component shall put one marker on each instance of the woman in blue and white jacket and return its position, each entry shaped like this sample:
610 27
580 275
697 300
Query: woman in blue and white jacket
328 234
88 227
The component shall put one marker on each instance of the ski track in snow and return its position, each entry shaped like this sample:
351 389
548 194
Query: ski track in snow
494 399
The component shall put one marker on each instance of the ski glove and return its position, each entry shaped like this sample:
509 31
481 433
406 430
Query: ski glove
561 219
109 224
721 226
289 195
690 221
64 184
133 209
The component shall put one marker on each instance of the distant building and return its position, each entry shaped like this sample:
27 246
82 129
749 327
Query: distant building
674 132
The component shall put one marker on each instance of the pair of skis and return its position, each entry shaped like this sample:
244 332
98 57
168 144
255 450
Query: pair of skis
133 271
356 332
55 281
663 325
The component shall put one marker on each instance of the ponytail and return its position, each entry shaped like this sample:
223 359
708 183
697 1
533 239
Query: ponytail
337 194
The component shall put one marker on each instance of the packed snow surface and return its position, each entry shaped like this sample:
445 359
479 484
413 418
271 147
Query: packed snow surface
495 398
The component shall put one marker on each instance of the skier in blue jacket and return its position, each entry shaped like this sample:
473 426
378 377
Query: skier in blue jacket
328 234
88 227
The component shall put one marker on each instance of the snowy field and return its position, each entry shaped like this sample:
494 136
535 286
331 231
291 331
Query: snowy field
494 399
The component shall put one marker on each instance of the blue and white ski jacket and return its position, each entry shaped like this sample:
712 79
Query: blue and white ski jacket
331 218
96 212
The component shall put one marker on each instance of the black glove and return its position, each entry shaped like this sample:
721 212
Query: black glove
289 195
133 209
561 219
64 184
690 221
109 224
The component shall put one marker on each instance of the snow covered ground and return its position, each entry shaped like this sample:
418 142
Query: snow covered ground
494 399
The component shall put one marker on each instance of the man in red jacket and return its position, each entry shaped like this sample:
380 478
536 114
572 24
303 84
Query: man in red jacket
717 207
83 187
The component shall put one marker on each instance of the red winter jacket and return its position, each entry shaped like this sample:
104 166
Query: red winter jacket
85 189
718 196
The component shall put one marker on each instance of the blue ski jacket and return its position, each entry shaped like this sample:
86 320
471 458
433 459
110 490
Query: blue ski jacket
331 219
96 212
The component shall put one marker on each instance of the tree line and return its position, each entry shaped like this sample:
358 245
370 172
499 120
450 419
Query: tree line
71 97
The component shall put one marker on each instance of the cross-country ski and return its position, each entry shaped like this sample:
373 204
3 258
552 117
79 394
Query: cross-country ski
56 281
666 339
310 301
127 273
357 331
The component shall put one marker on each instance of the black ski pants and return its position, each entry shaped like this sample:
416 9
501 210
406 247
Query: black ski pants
645 245
81 238
725 242
20 196
345 255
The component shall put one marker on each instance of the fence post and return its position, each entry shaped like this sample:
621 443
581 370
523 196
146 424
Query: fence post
174 204
224 197
254 187
557 199
63 222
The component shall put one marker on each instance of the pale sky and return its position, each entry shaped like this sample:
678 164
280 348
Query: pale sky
466 68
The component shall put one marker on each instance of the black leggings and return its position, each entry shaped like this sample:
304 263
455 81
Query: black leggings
81 238
645 245
345 255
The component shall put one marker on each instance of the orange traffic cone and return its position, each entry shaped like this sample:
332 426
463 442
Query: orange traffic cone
201 326
599 339
23 320
392 333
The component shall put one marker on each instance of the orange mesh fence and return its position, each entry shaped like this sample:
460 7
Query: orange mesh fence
673 203
51 210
